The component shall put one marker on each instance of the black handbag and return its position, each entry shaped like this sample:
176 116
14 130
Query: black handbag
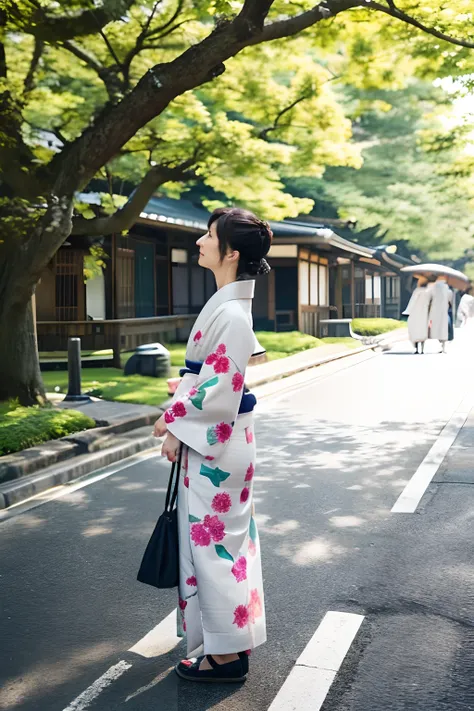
160 563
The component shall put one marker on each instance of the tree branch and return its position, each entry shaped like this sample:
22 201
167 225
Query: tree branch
124 218
147 34
110 48
255 12
393 11
58 28
109 75
168 23
264 133
294 25
30 77
84 55
200 63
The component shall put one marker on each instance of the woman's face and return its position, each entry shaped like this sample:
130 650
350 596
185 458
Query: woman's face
209 255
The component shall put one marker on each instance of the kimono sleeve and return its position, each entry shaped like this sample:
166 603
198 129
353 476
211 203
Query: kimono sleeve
203 417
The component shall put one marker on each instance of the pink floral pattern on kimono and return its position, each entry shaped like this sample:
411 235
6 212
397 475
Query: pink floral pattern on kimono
255 608
241 616
237 382
244 495
215 526
239 569
221 503
200 535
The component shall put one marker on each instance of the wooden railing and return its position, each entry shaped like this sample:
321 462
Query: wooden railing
361 310
310 318
117 334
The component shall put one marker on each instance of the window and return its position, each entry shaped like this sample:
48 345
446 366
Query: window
304 283
323 286
125 280
179 256
69 281
314 292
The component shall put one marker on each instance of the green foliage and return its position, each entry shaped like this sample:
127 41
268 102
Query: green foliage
94 262
375 326
416 181
23 427
289 343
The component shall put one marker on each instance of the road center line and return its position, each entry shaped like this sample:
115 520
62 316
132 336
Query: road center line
308 684
92 692
413 492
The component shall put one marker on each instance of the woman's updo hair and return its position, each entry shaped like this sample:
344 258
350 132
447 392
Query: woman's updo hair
242 231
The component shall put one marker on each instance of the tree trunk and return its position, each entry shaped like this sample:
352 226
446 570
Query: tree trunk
20 376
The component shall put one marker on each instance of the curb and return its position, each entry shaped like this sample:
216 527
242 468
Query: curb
17 466
255 383
14 492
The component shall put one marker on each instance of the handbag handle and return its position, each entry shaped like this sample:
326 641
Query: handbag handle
171 497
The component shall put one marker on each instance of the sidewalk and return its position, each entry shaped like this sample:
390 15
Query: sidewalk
125 429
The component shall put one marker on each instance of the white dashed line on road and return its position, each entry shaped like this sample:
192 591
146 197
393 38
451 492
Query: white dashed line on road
315 670
92 692
413 492
160 640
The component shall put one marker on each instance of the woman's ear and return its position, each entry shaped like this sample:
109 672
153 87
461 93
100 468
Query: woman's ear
233 256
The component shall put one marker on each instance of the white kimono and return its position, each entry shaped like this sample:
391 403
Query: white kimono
441 298
418 314
465 313
220 590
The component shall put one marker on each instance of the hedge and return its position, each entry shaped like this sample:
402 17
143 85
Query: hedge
23 427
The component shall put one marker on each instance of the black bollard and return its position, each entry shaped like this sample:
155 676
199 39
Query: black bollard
74 372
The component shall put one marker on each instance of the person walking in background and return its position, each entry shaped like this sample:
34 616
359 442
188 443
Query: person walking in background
221 607
465 315
441 301
418 315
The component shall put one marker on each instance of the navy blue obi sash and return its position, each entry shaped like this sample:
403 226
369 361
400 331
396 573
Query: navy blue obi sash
248 400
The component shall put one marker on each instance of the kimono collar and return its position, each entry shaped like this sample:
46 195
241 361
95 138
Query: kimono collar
236 290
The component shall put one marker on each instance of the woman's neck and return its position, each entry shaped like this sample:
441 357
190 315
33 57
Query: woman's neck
224 278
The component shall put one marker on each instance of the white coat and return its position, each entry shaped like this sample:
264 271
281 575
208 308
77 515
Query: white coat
465 309
418 314
441 298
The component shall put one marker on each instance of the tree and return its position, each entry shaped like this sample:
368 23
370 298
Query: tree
167 50
416 182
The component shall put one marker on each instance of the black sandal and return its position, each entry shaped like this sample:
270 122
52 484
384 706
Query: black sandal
229 673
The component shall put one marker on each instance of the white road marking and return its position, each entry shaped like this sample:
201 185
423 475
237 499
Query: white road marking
160 640
87 697
413 492
308 683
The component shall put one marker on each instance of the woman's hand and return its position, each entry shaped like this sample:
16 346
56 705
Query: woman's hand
170 447
161 428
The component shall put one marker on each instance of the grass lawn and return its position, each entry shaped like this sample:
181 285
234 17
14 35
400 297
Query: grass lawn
375 326
22 427
112 384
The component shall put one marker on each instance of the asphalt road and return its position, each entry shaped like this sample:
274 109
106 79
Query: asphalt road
334 454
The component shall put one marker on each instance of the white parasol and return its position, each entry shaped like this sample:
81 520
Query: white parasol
455 278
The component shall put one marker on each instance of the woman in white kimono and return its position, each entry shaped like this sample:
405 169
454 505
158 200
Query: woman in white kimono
441 300
418 315
220 591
